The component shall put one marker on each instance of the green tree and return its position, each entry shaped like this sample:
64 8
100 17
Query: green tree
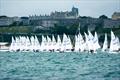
103 17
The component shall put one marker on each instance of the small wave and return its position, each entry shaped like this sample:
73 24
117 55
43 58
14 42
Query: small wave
14 79
85 74
56 62
111 74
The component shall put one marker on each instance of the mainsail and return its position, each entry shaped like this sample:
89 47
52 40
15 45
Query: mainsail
43 46
77 43
66 44
113 43
96 42
58 44
105 44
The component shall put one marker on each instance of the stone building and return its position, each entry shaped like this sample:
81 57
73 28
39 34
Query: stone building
24 21
62 15
53 18
89 22
6 21
116 16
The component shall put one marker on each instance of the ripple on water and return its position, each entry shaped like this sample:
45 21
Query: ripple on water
55 66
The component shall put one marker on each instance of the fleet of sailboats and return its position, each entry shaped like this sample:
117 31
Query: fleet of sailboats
88 43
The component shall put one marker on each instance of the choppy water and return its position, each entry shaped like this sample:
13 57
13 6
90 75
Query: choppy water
59 66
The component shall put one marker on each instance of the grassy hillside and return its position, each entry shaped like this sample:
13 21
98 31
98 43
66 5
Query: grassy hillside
16 29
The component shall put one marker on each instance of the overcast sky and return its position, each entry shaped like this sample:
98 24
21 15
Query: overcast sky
93 8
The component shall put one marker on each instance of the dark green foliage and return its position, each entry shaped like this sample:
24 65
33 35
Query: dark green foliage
66 29
103 17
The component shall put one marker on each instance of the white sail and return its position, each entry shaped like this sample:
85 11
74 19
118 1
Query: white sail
22 43
69 44
12 46
86 42
77 43
96 42
54 46
49 44
81 43
105 44
43 46
27 44
90 35
63 47
113 42
17 43
32 47
37 44
66 44
58 44
90 41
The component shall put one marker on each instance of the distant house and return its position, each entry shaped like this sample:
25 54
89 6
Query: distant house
24 21
6 21
116 16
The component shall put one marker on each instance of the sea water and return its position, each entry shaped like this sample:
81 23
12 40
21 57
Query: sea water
59 66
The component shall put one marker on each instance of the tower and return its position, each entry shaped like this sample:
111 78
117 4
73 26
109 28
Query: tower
75 11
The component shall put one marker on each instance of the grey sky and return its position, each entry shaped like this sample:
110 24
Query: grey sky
93 8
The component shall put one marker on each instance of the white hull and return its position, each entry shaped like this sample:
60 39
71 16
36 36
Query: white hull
4 50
